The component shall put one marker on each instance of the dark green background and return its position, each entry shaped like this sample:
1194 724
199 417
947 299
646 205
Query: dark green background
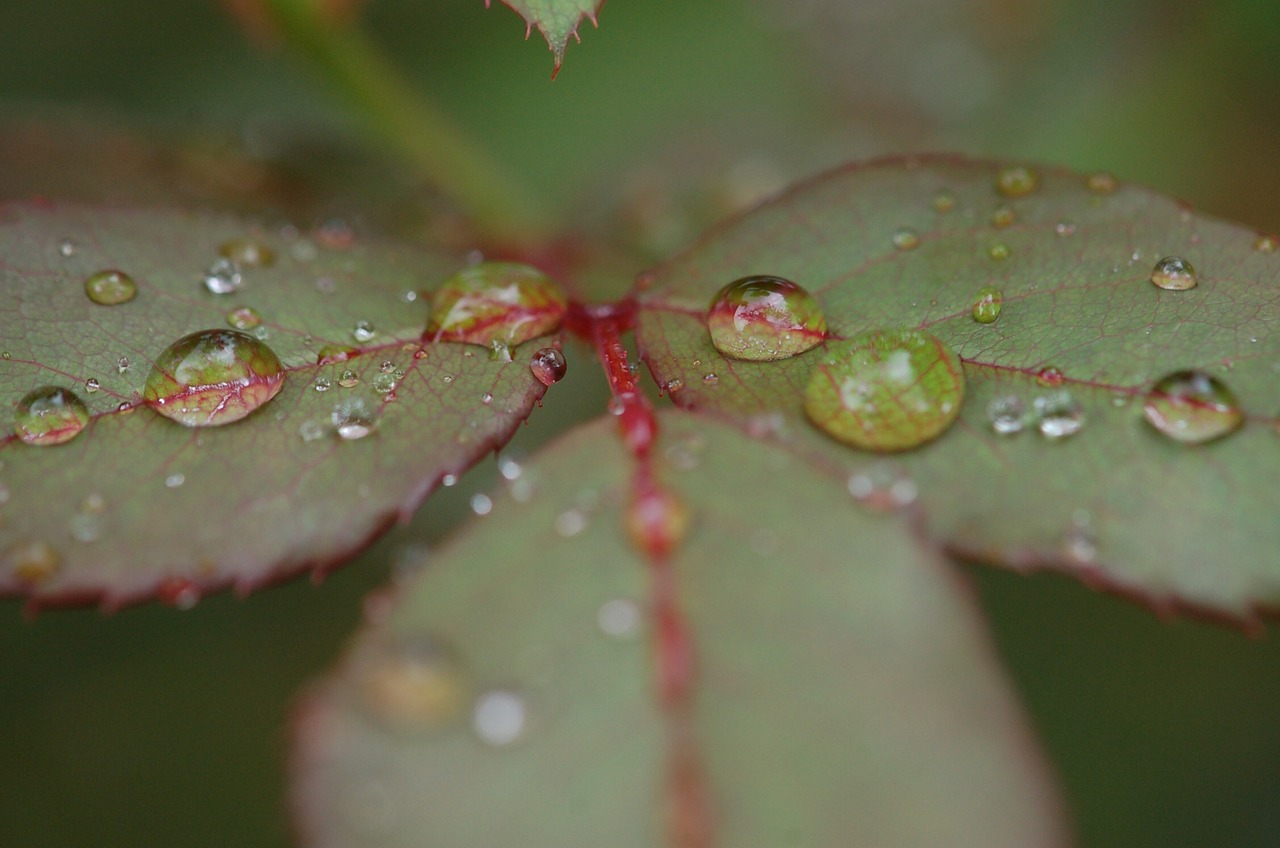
158 727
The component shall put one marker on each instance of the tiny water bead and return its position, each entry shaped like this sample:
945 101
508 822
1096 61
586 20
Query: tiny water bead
243 318
222 277
548 366
213 377
363 331
495 301
352 419
1192 407
91 385
110 288
49 415
348 379
906 239
1058 415
499 351
1174 273
247 253
999 251
1051 377
944 201
1007 415
763 318
886 390
986 306
1017 181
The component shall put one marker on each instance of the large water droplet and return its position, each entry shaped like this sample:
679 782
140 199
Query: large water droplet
765 318
495 301
548 366
213 377
416 683
1192 407
1017 181
886 390
986 306
49 415
223 277
247 253
1174 274
1058 415
110 288
499 717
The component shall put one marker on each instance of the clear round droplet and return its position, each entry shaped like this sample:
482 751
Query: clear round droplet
363 331
91 385
322 384
352 419
175 480
243 318
1192 407
495 301
1017 181
548 366
213 377
1007 415
499 717
348 379
247 253
763 318
67 248
886 390
906 239
1174 274
223 277
1058 415
49 415
122 364
986 305
110 288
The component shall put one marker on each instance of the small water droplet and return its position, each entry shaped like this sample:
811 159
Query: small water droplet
486 398
243 318
1003 216
906 239
363 331
110 288
882 487
1100 183
449 480
570 523
67 248
499 351
1017 181
1058 415
710 378
944 201
619 618
91 385
387 366
1050 377
447 378
999 251
247 253
1192 407
213 377
420 353
886 390
122 364
175 480
1266 244
223 277
762 318
481 504
499 717
49 415
986 306
33 562
322 384
495 301
348 379
548 366
416 682
310 431
352 419
1007 415
1174 274
673 385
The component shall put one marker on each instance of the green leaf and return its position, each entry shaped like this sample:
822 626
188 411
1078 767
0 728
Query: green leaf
913 243
843 693
557 20
138 504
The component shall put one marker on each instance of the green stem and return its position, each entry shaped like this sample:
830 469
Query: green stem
410 124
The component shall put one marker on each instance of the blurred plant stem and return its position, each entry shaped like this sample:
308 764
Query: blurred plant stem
410 124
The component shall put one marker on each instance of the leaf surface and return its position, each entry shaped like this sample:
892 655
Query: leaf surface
910 243
844 693
137 504
557 20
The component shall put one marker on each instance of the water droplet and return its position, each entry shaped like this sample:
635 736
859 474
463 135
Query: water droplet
886 390
91 385
384 383
486 398
1100 183
1192 407
1058 415
1003 216
499 717
763 318
175 480
673 385
1017 181
243 318
322 384
619 618
548 366
1174 274
420 353
499 351
999 251
986 306
49 415
415 683
67 248
1266 244
310 431
110 288
352 419
213 377
882 487
363 331
570 523
1051 377
481 504
223 277
247 253
449 480
122 364
387 366
348 379
495 301
944 201
33 562
447 378
1007 415
710 378
906 239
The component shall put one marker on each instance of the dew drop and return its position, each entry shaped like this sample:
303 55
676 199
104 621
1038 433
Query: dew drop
673 385
310 431
67 248
1003 216
944 201
986 306
1192 407
213 377
762 318
710 378
657 522
91 385
495 301
363 331
882 487
223 277
384 383
110 288
322 384
1078 543
1007 415
619 618
499 350
999 251
449 480
348 379
247 253
499 717
486 398
1017 181
1174 274
179 593
481 504
175 480
548 366
1051 377
1101 183
243 318
1266 244
1058 415
122 364
417 682
49 415
34 562
352 419
886 390
906 239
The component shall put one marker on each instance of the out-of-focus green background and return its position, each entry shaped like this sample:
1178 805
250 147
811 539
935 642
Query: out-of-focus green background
159 727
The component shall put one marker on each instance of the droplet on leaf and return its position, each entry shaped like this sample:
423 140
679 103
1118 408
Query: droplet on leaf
352 419
1266 244
1003 216
213 377
348 379
243 318
175 480
548 366
1174 274
179 593
67 248
986 306
886 390
1007 415
657 522
762 318
499 351
495 301
499 717
944 201
417 683
906 239
1192 407
247 253
310 431
1017 181
91 385
363 331
1050 376
49 415
110 288
223 277
1058 415
322 384
998 251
